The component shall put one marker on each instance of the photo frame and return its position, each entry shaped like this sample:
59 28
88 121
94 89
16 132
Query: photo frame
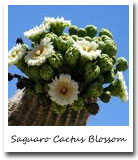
69 138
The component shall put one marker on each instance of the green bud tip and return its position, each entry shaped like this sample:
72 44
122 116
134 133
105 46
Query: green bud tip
91 71
47 72
121 64
105 97
56 60
72 56
82 32
91 30
105 32
73 30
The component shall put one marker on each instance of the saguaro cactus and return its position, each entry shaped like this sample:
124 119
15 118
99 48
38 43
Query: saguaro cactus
65 74
27 108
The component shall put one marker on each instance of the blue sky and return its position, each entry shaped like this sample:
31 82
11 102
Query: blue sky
114 18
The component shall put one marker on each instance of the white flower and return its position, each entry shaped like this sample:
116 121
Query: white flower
64 90
16 53
51 20
39 53
122 87
36 31
88 49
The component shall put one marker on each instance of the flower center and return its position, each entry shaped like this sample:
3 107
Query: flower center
63 90
14 53
87 48
38 52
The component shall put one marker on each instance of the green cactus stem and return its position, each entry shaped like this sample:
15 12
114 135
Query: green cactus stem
32 72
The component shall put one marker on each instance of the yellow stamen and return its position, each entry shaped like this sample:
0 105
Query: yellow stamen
14 54
38 53
87 49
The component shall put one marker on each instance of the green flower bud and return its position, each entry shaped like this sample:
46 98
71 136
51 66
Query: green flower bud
33 72
63 43
105 32
58 27
56 60
53 38
46 87
105 63
121 64
109 76
88 38
114 59
94 90
73 30
100 79
78 105
71 56
91 30
99 42
91 71
110 48
39 87
74 37
47 72
112 88
82 32
105 37
105 97
93 108
58 109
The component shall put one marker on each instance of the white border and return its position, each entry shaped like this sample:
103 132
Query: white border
126 132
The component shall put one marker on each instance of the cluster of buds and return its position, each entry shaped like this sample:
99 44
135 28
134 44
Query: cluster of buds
71 68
